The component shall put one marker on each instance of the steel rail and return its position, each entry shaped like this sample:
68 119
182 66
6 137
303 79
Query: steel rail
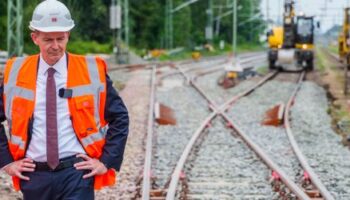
191 69
264 156
243 61
148 64
183 62
313 176
148 156
176 174
217 68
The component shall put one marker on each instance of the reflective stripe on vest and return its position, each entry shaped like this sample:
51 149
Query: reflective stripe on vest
96 86
12 91
90 139
18 141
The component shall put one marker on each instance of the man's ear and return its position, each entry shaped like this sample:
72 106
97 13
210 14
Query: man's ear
34 38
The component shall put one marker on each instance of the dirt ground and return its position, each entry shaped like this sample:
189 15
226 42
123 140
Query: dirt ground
329 74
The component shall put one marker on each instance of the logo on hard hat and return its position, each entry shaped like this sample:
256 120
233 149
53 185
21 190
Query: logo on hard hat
54 19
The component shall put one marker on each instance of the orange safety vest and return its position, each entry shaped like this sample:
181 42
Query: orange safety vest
87 80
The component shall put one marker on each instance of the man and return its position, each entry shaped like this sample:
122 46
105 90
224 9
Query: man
67 125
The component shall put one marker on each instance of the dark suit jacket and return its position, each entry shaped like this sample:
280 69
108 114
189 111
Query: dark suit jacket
116 115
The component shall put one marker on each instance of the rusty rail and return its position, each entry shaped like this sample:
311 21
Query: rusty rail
244 60
146 185
171 191
176 174
152 63
313 176
183 62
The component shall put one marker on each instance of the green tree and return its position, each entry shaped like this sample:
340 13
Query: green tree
199 21
250 24
182 25
147 23
3 24
92 20
28 8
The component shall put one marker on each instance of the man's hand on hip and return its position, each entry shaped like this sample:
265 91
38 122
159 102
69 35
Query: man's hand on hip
17 167
93 164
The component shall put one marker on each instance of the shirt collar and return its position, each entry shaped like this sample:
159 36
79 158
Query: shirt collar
60 66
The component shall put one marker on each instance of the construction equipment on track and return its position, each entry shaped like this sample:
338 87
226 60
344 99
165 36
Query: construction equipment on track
292 44
344 47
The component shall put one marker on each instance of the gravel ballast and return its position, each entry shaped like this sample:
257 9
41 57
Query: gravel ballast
311 125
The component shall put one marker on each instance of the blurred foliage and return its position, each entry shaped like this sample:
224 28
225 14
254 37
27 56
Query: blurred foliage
333 48
83 47
3 24
147 24
321 60
187 53
182 25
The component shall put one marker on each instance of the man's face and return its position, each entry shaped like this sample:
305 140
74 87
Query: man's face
52 45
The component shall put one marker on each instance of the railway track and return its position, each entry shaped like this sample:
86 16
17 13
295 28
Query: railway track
168 143
137 81
299 194
168 137
317 138
266 159
275 140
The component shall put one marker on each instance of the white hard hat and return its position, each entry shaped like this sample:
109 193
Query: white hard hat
51 16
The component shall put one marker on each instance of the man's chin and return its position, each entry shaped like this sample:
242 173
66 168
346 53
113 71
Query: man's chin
54 59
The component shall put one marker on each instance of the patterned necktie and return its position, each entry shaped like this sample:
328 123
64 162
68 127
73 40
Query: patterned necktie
51 120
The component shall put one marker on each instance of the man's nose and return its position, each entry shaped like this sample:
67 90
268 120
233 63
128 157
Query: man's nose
55 44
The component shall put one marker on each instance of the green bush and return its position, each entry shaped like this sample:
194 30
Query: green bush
187 53
84 47
30 48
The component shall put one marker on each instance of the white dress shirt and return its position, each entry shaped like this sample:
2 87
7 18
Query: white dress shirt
68 143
